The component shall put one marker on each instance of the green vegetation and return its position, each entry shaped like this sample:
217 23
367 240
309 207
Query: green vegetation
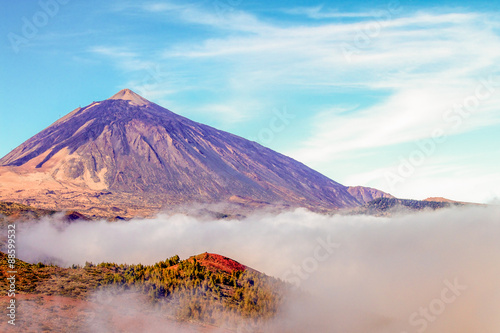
199 293
389 206
388 203
20 212
194 289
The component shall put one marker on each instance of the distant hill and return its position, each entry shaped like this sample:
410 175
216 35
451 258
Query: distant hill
441 199
390 206
366 194
15 212
19 211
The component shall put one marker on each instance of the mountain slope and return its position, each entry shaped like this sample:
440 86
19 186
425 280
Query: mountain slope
128 153
366 194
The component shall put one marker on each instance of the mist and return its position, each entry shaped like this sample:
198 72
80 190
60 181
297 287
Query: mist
428 272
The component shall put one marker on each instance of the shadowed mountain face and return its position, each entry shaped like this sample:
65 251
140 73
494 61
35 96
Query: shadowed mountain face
128 150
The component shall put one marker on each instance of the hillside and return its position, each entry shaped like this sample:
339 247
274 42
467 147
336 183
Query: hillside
391 206
12 212
207 289
366 194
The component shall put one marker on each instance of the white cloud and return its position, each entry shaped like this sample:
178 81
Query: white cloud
455 178
124 58
226 113
317 12
220 15
410 114
360 273
418 65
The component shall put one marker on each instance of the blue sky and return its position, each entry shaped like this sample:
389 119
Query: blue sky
401 96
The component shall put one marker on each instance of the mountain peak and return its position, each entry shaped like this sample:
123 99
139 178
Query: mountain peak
136 157
132 97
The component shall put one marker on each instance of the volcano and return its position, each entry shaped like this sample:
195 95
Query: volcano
126 155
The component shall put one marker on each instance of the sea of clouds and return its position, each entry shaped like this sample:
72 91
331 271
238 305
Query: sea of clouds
428 272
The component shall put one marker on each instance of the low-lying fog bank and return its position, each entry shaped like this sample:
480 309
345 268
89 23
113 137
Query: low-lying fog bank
429 272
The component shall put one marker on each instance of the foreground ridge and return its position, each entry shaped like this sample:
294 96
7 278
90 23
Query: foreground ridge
193 290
